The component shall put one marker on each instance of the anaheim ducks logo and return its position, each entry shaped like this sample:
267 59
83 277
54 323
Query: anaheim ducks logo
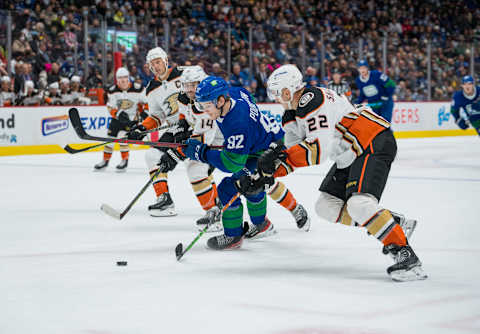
172 104
124 104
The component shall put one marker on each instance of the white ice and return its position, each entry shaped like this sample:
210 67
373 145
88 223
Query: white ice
58 254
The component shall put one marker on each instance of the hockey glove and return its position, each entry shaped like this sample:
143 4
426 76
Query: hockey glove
183 132
137 132
169 160
195 150
341 151
123 118
271 158
462 124
250 186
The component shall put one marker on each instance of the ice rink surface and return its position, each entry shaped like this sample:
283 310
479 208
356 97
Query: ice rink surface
58 254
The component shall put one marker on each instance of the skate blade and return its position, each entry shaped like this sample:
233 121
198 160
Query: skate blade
99 170
414 274
121 170
306 226
271 231
409 228
163 213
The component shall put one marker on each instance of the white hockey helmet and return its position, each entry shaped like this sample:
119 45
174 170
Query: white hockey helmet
286 76
76 78
155 53
5 78
64 81
121 72
192 74
29 84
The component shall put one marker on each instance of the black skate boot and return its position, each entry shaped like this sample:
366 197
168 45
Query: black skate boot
122 166
262 230
164 206
212 218
407 266
101 165
301 217
223 242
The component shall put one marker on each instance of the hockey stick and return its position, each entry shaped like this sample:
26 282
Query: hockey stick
72 150
179 252
78 127
119 215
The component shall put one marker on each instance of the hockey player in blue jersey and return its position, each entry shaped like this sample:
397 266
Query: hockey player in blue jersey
377 89
247 133
468 101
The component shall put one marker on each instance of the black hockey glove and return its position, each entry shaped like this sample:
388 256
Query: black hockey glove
137 132
183 132
250 186
169 160
271 158
123 118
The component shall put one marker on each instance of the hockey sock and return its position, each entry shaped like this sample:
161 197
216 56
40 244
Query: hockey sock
206 192
384 228
282 196
232 220
107 152
160 184
344 217
257 208
124 151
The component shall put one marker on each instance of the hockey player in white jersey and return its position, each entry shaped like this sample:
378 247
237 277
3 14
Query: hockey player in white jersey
162 97
320 124
197 125
125 103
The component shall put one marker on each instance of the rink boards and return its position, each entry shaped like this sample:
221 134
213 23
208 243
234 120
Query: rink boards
47 129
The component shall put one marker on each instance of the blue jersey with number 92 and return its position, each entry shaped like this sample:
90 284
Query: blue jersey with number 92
245 129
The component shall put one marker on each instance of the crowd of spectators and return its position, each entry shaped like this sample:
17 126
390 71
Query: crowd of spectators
48 40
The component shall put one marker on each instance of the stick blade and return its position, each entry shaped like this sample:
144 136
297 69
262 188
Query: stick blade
179 251
69 149
111 211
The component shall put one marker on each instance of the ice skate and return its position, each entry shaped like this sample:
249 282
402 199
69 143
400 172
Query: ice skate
122 166
407 266
101 165
301 217
164 207
407 225
223 242
212 218
262 230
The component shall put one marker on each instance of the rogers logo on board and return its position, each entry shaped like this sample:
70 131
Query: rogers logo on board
51 125
405 116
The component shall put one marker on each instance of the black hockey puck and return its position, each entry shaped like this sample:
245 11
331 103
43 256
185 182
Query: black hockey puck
121 263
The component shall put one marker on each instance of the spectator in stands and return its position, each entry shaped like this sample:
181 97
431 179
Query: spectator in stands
311 78
7 97
238 79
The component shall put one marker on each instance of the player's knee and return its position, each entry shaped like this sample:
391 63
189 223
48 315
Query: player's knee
226 190
328 207
362 207
152 157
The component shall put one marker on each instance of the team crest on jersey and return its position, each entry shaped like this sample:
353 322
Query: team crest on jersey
124 104
305 99
172 103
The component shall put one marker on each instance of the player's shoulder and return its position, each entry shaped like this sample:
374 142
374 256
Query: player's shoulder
183 98
175 73
458 95
311 99
152 85
113 89
135 88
